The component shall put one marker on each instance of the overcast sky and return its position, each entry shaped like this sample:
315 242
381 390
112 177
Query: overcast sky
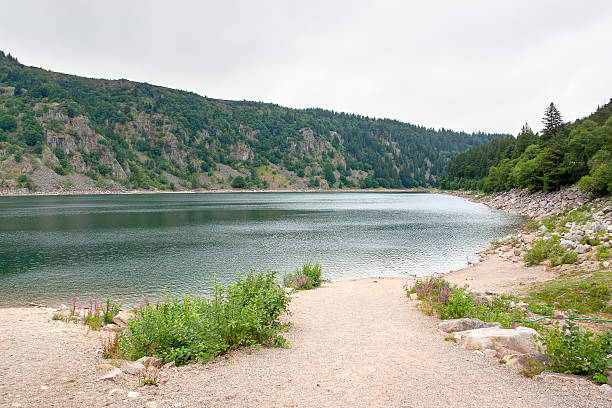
463 65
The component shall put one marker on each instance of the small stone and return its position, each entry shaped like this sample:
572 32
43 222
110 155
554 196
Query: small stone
151 404
114 375
44 387
605 388
114 391
169 365
122 318
606 264
478 353
107 367
133 394
490 353
151 362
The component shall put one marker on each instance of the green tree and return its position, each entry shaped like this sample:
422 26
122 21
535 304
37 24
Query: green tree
239 182
551 121
7 121
328 174
584 141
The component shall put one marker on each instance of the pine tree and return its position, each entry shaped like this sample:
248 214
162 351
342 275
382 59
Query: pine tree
551 121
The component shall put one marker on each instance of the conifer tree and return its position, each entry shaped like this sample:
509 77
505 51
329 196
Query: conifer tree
551 121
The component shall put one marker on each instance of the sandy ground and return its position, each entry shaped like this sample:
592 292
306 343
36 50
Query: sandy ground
498 276
357 343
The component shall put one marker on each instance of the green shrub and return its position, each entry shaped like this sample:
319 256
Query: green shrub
110 310
573 351
459 304
451 302
549 249
312 273
603 252
198 329
308 277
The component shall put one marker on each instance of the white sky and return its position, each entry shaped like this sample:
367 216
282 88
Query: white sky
462 65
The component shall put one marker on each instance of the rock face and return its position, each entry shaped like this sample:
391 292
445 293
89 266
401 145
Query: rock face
520 339
459 325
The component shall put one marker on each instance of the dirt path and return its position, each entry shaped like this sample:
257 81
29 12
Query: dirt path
353 344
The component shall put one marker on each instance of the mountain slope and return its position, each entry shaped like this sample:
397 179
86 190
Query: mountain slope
61 131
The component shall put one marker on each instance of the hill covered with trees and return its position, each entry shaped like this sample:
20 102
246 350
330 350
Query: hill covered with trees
60 131
564 154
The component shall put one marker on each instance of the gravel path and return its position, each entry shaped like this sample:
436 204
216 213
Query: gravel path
353 344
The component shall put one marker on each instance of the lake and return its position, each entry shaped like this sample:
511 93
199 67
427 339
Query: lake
127 245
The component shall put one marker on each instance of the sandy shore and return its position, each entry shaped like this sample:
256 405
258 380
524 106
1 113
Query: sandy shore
353 344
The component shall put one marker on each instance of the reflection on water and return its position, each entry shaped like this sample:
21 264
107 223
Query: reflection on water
126 245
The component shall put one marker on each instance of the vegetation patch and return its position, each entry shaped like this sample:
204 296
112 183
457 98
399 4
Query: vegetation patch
549 249
198 329
308 277
449 301
581 292
575 351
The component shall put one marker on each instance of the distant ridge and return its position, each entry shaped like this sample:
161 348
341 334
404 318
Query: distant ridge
62 132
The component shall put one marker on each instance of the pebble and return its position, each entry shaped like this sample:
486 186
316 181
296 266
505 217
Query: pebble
133 394
106 367
605 388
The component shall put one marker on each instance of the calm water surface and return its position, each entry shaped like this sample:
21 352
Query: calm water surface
123 246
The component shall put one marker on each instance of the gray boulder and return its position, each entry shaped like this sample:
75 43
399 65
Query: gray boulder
132 367
459 325
520 339
583 249
568 244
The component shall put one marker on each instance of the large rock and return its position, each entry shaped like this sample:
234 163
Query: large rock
568 244
583 249
122 318
459 325
521 339
523 360
132 368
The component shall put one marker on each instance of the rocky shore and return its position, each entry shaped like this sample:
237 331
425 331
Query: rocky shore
535 205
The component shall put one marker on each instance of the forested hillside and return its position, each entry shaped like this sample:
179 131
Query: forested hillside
61 131
564 154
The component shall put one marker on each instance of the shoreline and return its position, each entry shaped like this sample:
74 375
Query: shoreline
5 193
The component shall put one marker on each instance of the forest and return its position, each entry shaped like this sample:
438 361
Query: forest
565 153
125 134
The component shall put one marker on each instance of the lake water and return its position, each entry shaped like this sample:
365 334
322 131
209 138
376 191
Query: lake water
127 245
